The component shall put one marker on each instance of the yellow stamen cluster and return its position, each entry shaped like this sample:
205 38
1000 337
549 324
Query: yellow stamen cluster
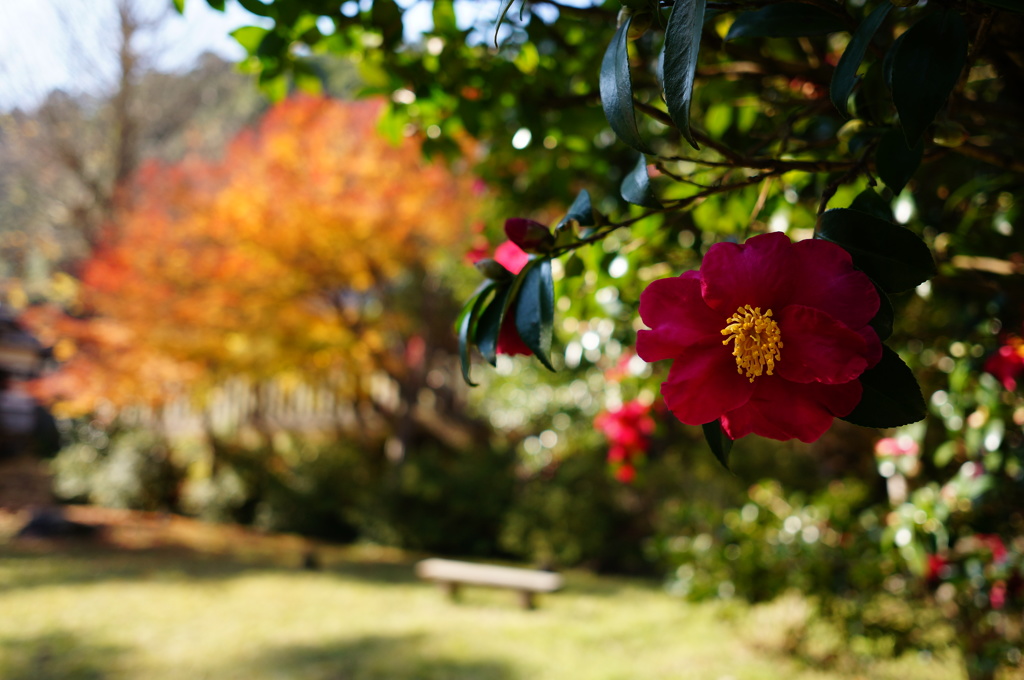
756 341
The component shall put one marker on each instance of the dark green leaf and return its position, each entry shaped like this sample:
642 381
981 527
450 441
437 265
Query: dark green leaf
495 271
216 4
884 317
925 67
256 7
894 257
891 397
444 17
868 201
617 90
574 266
888 60
535 310
636 187
466 327
785 20
249 37
273 44
895 162
719 441
506 5
682 43
489 327
580 210
386 15
845 75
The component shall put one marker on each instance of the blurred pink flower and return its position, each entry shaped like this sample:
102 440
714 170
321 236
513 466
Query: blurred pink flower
893 446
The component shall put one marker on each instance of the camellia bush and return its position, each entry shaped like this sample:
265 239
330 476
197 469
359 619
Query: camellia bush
779 214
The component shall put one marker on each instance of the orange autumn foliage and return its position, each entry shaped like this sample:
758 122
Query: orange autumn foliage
276 260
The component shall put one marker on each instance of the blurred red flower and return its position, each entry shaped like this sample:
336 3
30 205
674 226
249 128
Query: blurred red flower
1007 364
628 430
795 319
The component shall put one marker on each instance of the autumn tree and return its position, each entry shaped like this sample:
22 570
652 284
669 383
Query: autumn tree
305 255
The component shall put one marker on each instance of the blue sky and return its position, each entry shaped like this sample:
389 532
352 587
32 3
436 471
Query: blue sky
66 44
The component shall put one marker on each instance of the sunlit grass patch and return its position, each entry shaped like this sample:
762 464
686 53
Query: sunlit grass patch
103 614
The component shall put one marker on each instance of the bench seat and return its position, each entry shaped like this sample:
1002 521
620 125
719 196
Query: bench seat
451 574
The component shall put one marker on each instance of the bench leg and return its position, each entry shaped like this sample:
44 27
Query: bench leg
451 589
526 600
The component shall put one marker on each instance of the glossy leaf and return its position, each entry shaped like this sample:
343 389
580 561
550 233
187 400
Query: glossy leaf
581 211
718 441
925 67
895 162
889 58
535 309
617 90
506 5
891 397
785 20
466 324
256 7
845 75
272 44
574 267
495 271
894 257
868 201
386 16
488 328
679 62
249 37
636 186
444 17
884 317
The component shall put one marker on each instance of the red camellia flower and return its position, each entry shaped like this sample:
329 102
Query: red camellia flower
769 336
513 258
628 430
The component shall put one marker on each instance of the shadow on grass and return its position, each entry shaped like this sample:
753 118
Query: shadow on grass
374 657
87 563
56 656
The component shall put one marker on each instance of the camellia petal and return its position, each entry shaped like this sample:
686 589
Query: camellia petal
780 409
511 257
818 348
874 345
824 278
510 342
756 273
705 385
672 330
774 345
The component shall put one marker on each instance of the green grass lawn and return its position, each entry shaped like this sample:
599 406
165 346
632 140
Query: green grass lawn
93 613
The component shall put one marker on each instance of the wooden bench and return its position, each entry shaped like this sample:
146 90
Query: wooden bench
451 575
